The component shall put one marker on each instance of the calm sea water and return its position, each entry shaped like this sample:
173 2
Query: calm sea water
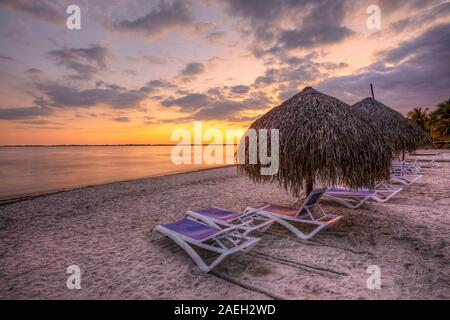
32 170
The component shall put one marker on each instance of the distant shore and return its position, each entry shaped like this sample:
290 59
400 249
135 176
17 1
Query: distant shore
109 145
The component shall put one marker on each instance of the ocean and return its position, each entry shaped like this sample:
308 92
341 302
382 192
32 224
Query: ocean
35 170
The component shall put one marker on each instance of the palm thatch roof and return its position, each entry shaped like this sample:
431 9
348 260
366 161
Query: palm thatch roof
401 133
324 139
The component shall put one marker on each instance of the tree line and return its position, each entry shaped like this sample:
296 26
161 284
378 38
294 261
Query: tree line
436 122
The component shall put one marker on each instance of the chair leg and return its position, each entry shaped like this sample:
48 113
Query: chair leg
264 229
348 204
401 181
192 253
297 232
215 262
379 198
153 236
243 247
250 247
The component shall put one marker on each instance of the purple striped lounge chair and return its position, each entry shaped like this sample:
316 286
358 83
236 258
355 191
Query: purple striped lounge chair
188 233
248 220
306 214
354 198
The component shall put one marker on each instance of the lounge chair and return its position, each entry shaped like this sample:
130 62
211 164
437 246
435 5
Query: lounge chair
405 173
353 199
306 214
385 185
406 167
430 163
188 233
405 179
248 221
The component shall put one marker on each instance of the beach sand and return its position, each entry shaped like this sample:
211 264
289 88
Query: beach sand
105 231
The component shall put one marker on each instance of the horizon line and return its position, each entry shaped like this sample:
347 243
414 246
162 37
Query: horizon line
118 145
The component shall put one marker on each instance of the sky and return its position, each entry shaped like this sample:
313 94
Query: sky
138 70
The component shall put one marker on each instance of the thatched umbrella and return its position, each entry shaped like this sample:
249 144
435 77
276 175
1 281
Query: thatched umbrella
401 134
321 138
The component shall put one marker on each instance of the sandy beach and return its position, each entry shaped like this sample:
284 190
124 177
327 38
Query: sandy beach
105 230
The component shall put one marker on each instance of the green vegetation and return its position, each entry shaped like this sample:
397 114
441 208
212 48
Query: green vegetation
436 122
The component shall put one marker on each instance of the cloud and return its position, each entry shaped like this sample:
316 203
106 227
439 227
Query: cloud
189 102
240 89
58 96
151 59
41 102
34 71
94 54
155 85
274 27
215 91
191 70
257 11
303 73
40 122
321 26
21 113
229 110
207 30
424 16
150 120
280 25
61 96
34 74
202 27
391 6
130 72
270 76
420 74
83 71
44 10
122 119
214 105
215 36
165 17
85 62
286 94
310 37
333 66
6 58
287 73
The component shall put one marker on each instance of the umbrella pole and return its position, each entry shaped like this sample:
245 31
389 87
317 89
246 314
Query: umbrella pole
403 155
309 185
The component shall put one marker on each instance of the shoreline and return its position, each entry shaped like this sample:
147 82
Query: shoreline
9 199
26 197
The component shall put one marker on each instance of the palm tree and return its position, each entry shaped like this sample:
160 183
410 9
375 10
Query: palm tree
419 116
439 121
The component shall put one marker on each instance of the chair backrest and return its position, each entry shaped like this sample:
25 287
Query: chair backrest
312 199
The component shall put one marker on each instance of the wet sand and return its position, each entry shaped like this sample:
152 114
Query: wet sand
105 230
